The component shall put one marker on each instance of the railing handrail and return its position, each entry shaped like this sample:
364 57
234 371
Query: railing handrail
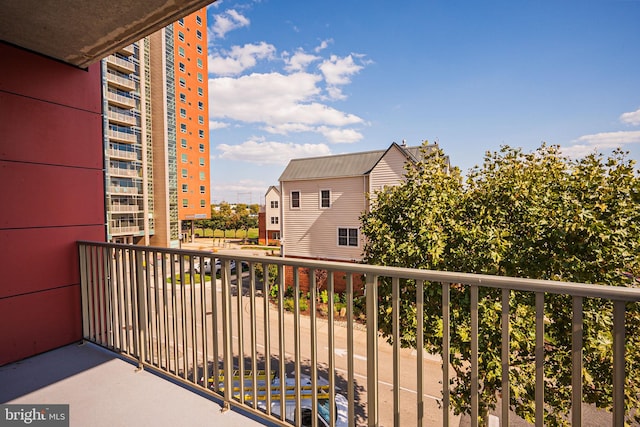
588 290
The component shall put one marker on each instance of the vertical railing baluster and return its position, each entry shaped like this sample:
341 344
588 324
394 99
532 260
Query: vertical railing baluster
395 334
174 313
101 324
420 353
158 308
215 309
141 309
193 321
350 352
203 320
505 354
372 349
93 305
296 344
332 346
254 340
281 343
446 351
539 359
148 319
183 319
84 290
313 325
266 291
112 304
240 317
474 356
227 333
618 362
165 300
576 362
133 290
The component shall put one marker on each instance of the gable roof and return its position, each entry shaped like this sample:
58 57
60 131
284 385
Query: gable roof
341 165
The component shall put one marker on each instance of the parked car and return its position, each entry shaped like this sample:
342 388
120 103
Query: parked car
306 401
218 266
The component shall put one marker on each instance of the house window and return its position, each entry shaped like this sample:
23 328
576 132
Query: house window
183 113
199 63
295 200
199 48
202 177
181 66
200 91
183 158
183 82
200 77
201 120
183 128
274 220
201 133
202 189
201 161
274 204
183 143
185 188
325 199
180 36
183 97
202 203
185 203
200 105
184 173
199 34
198 20
181 22
201 148
181 51
347 237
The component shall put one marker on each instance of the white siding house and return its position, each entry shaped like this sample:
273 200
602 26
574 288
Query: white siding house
272 213
324 197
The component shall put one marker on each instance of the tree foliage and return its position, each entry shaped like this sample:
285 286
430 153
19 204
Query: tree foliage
535 215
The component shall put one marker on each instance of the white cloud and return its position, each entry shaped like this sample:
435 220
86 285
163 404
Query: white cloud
323 45
213 125
225 22
631 118
337 135
274 99
263 152
338 71
587 144
239 58
299 61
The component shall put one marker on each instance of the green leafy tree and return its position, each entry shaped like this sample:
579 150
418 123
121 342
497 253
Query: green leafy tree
536 215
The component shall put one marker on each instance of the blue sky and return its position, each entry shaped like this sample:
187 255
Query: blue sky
291 78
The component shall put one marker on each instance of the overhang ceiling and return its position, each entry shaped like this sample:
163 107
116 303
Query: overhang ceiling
80 32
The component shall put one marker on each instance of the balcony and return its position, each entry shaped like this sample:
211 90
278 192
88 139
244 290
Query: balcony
120 64
115 189
122 154
127 50
143 304
122 119
120 82
121 101
122 136
120 208
131 173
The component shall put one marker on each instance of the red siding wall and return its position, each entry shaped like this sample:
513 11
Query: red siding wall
51 195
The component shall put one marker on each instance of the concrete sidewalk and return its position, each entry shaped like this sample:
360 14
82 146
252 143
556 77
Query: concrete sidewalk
105 390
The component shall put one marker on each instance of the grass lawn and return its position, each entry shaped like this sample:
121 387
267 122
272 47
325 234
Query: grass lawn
229 234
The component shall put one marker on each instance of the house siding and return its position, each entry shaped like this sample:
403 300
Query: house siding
271 229
389 171
311 231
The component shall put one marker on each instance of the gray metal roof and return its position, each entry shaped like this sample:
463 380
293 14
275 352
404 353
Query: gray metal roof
341 165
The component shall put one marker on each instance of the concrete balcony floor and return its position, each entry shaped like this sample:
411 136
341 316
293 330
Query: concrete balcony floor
105 390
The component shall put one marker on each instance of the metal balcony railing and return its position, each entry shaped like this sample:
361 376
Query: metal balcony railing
150 304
